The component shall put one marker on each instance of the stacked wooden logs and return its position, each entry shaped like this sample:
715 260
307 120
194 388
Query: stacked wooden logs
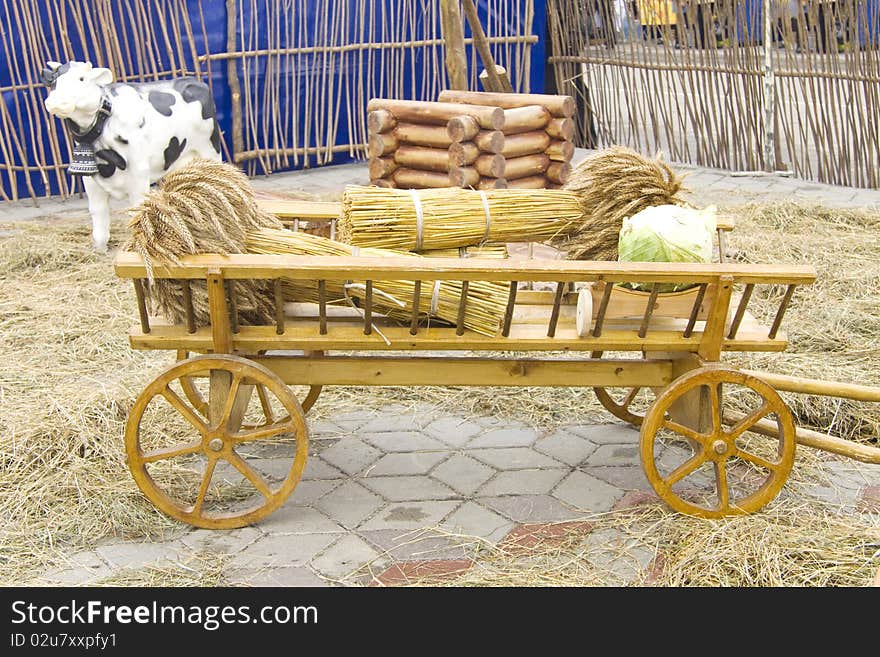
471 139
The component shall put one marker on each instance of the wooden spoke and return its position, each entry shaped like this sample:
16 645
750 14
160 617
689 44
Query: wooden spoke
231 396
715 406
203 488
721 486
631 395
243 376
186 411
756 460
683 404
171 452
686 468
266 431
682 430
620 409
252 475
264 403
748 421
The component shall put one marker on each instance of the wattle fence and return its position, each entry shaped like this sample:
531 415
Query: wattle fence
291 79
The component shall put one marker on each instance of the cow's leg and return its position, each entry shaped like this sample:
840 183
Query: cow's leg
137 187
99 209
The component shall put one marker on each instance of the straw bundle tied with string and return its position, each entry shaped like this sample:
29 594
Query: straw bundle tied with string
583 219
486 301
202 207
416 220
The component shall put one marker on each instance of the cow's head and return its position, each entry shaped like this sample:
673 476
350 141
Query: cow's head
76 89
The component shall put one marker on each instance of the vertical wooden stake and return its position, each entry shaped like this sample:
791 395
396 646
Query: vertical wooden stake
453 35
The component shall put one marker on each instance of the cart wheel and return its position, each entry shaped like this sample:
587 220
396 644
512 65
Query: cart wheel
183 459
619 409
197 399
718 471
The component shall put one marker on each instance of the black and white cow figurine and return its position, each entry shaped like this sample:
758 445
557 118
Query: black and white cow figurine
126 136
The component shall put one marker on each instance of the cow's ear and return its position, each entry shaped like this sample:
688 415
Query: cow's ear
101 75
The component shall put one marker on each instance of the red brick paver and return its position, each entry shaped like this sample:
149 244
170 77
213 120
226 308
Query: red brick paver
405 572
525 537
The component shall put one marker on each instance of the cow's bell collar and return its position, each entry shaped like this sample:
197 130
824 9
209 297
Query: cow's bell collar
83 161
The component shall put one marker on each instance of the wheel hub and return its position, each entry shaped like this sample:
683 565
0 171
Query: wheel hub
720 447
215 444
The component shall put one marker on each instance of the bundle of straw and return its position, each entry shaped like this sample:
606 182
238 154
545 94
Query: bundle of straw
202 207
612 184
416 220
583 219
485 306
493 251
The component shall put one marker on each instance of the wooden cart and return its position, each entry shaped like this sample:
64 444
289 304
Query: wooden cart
669 342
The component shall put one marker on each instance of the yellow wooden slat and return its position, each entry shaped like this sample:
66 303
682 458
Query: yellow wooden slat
436 371
247 266
348 336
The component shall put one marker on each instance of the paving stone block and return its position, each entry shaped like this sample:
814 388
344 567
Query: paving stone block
529 508
318 468
410 515
80 569
354 420
851 475
403 441
495 422
281 550
344 557
606 434
276 470
137 555
290 519
513 458
77 576
295 576
472 519
522 482
350 504
324 429
462 473
415 545
623 557
406 463
222 542
628 477
454 431
406 421
403 489
583 491
522 437
308 493
619 455
351 455
566 447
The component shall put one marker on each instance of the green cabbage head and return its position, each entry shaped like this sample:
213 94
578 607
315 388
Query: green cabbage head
667 233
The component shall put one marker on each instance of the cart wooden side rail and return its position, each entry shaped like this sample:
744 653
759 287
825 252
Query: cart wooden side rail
679 337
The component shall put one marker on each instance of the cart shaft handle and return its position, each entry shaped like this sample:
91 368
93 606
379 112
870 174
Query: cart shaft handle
818 386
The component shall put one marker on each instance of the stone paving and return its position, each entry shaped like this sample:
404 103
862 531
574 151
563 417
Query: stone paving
403 493
393 493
